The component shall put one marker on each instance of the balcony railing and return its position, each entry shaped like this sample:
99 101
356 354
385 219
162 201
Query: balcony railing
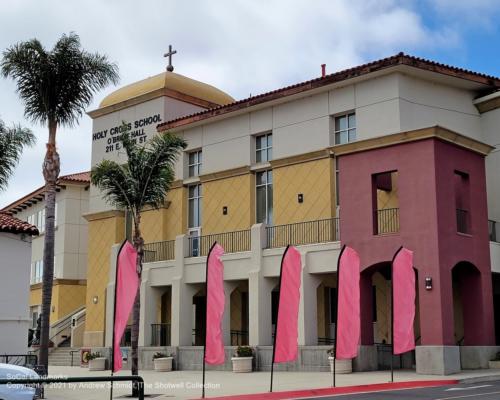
320 231
387 221
239 338
462 221
159 251
492 229
232 242
160 335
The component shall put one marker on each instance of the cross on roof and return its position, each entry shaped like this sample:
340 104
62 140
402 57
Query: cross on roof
170 53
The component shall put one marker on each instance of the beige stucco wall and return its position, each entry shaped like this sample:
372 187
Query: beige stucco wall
103 234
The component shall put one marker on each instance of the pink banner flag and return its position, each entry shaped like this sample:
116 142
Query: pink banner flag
403 284
287 332
214 341
127 283
348 311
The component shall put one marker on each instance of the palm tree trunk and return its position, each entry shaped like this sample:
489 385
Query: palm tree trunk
136 312
51 166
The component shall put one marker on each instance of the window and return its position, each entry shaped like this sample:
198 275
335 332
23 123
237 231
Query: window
194 206
264 148
194 163
40 218
264 194
345 128
36 271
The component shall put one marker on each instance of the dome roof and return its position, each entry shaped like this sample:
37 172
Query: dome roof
171 81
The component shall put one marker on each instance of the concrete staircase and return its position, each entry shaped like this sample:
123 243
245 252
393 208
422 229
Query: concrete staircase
62 356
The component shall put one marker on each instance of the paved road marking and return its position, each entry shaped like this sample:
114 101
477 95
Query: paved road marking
467 388
469 395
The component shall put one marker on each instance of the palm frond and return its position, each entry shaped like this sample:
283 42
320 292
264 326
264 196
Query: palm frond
57 85
146 177
13 140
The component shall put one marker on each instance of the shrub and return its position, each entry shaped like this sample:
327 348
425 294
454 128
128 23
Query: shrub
93 356
160 355
244 351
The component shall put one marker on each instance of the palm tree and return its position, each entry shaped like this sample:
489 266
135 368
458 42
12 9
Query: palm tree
12 142
141 182
56 87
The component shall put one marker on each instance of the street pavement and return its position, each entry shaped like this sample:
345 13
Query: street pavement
187 384
481 391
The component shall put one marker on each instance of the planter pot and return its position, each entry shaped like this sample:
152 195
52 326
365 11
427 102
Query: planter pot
97 364
494 364
341 366
242 364
163 364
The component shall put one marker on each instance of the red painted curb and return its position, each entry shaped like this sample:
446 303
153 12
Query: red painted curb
377 387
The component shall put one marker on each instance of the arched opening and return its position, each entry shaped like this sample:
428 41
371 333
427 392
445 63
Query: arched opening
376 316
161 330
239 314
467 300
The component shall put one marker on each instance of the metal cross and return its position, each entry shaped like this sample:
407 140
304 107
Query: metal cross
170 53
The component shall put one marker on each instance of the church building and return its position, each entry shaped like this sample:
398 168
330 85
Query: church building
399 151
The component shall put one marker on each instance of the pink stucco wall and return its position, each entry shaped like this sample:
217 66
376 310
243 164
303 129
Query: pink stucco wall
426 188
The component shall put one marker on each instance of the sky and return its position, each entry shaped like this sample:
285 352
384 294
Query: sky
243 47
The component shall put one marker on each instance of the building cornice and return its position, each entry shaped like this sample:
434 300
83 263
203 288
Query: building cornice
68 282
301 158
103 215
488 103
155 94
225 174
435 132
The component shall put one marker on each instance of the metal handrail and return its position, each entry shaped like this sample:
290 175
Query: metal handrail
387 221
300 233
232 242
159 251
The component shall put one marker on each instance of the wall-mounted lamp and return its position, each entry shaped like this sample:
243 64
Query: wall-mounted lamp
428 283
224 210
95 299
53 308
300 198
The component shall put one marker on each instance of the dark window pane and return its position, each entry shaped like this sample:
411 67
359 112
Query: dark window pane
259 142
192 158
270 154
191 171
352 135
340 123
269 140
261 178
261 204
270 177
352 120
270 204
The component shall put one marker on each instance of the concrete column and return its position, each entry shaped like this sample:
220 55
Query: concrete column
226 322
149 304
259 309
110 296
308 307
182 310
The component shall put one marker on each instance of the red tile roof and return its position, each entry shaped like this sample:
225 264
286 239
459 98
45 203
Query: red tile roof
77 178
399 59
83 177
12 224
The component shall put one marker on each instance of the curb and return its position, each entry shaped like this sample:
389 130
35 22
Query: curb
377 387
479 379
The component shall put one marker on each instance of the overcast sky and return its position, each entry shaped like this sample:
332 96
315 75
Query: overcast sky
240 46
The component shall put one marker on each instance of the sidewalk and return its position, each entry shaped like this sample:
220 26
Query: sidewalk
187 384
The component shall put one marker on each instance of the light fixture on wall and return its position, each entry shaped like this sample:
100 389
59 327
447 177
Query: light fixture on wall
224 210
428 283
300 198
95 299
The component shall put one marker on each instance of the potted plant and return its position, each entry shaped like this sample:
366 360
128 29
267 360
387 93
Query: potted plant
163 362
96 362
341 366
495 363
242 360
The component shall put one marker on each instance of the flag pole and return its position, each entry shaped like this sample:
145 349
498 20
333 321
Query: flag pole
392 314
206 314
114 319
277 315
337 315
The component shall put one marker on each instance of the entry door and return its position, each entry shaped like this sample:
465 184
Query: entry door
332 302
194 241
